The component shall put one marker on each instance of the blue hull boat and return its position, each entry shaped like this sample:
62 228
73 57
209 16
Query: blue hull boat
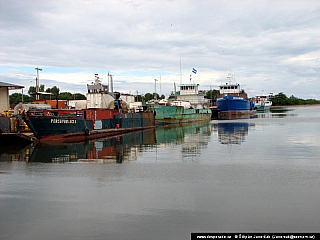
233 102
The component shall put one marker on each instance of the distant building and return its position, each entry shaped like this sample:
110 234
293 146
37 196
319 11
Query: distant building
4 95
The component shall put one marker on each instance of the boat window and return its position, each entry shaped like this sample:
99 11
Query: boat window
232 87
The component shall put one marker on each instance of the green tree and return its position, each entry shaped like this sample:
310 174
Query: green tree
294 101
279 100
16 98
148 96
32 89
79 96
65 96
212 94
55 92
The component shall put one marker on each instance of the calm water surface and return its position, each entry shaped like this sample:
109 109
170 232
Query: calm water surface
249 175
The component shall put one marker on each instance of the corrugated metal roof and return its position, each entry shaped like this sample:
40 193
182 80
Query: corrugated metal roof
10 86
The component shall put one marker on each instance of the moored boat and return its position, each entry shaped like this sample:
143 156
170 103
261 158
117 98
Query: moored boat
185 106
262 103
233 102
105 116
179 114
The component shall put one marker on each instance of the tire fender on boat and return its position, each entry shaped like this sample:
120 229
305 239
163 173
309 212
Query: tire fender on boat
87 131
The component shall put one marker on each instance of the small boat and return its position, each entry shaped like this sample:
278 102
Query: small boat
233 102
106 115
262 103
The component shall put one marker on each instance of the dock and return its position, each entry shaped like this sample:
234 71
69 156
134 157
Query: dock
17 138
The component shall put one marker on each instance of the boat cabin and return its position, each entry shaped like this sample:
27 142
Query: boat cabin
97 87
229 88
98 95
188 89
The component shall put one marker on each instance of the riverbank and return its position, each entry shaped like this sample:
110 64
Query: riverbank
302 105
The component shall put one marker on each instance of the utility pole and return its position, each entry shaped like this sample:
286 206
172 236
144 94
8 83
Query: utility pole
160 87
37 82
155 88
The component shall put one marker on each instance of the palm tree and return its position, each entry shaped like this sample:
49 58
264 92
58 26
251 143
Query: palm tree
55 92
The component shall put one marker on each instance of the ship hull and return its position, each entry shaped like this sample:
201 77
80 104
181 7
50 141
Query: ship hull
263 108
177 114
234 107
233 103
72 128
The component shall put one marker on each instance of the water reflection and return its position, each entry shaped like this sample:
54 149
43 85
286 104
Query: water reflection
276 112
106 150
233 132
16 152
191 137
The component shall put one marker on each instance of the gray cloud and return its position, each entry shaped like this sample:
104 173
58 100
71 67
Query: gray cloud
269 43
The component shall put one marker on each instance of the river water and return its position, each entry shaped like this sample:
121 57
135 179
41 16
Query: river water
246 175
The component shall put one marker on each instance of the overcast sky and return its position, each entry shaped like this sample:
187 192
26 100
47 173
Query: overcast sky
270 46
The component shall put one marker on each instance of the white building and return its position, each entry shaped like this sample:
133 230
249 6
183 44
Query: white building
4 95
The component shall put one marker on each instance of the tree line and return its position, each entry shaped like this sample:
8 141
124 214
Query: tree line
282 100
16 98
148 96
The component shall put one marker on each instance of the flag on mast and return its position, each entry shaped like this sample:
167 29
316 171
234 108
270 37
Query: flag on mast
194 71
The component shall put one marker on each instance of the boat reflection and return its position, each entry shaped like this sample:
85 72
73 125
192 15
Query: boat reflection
233 132
21 152
276 112
192 138
106 150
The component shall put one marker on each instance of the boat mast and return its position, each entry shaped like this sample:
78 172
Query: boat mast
180 72
111 82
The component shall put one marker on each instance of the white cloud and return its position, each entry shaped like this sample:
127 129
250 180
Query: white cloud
268 44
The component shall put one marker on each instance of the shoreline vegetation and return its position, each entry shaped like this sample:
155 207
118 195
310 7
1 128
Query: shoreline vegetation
286 106
282 100
279 99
